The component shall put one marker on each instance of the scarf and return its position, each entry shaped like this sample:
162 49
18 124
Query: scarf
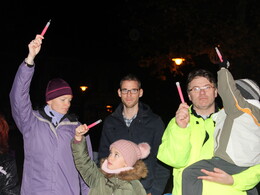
55 116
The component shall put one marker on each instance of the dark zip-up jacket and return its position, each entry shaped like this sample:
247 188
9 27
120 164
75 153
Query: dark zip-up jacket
9 182
146 127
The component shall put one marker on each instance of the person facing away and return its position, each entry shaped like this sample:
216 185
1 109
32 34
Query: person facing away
49 168
133 120
9 181
120 172
189 137
237 132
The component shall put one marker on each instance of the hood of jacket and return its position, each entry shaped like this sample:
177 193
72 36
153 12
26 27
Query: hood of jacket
140 171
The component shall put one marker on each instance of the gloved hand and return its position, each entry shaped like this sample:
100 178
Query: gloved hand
224 64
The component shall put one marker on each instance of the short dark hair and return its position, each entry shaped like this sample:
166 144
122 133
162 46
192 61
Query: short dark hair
130 77
201 73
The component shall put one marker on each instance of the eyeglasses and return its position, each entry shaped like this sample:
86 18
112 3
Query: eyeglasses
132 91
197 89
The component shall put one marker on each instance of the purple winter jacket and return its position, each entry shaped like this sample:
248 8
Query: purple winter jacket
49 168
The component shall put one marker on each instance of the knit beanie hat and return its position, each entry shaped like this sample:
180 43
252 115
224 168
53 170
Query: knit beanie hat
57 87
131 151
248 88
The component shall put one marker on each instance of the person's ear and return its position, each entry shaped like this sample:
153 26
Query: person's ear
216 92
189 96
125 165
141 92
49 102
119 92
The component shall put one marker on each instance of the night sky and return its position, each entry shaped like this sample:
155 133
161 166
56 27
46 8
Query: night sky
95 43
98 43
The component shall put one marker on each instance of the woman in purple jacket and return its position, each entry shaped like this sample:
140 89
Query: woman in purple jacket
49 168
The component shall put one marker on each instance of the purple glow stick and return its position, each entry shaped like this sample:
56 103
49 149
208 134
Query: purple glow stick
180 92
45 28
95 123
219 54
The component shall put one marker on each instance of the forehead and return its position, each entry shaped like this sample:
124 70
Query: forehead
114 150
129 84
65 97
199 81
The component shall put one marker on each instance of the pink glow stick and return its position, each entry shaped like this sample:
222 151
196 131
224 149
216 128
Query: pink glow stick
180 92
45 28
219 54
95 123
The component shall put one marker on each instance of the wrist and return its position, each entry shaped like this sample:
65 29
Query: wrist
29 63
78 138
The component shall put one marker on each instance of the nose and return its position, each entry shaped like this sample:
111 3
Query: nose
67 104
202 91
109 158
128 92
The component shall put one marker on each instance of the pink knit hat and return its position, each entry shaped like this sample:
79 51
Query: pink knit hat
56 88
131 151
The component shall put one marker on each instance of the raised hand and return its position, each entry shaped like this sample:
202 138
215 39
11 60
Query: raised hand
80 131
224 64
34 48
182 116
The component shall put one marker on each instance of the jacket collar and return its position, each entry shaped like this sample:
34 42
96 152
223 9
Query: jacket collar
198 116
143 110
69 116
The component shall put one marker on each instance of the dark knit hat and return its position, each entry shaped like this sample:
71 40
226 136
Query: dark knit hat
57 87
131 151
248 88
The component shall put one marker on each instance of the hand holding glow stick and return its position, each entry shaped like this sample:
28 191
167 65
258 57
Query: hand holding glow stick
219 54
180 92
95 123
45 28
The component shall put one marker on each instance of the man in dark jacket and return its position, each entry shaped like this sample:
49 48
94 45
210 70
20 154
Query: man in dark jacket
135 121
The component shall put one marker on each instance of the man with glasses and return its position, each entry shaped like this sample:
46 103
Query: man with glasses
133 120
237 132
189 137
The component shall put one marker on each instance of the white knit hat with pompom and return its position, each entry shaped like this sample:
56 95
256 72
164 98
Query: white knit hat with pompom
248 88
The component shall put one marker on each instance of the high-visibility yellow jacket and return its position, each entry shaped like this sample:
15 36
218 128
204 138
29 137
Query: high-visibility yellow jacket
181 147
